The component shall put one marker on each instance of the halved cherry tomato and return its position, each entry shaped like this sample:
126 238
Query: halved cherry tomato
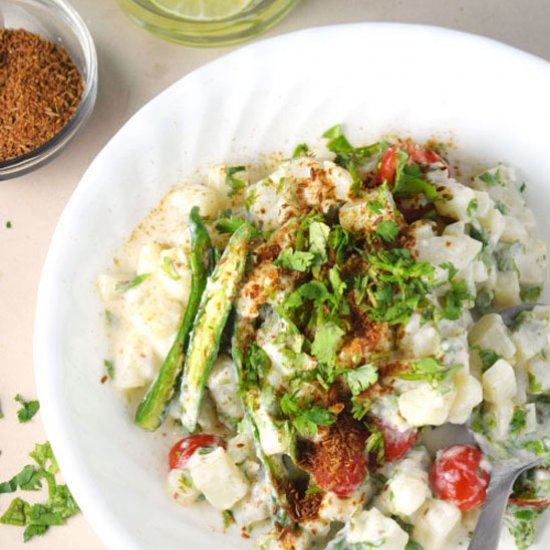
396 442
184 449
532 488
346 478
390 159
460 475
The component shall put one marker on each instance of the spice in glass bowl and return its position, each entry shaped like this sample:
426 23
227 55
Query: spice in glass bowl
40 90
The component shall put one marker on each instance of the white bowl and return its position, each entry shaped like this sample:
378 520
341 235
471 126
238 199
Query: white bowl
490 99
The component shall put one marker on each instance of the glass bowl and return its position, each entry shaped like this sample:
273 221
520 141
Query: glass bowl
255 18
57 21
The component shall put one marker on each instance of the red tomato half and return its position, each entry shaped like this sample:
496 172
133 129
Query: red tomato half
346 479
390 160
460 476
184 449
396 442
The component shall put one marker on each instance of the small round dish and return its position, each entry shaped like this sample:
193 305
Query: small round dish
57 21
255 18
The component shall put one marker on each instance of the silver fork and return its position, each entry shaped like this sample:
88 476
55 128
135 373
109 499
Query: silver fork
505 471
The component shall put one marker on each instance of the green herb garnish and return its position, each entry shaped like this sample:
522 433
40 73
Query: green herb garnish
28 409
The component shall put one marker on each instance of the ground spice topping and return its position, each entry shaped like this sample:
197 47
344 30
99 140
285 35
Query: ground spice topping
40 90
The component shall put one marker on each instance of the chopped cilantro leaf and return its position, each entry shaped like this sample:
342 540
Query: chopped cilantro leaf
530 294
318 240
301 150
361 378
472 208
388 230
295 259
375 206
8 225
28 409
169 268
235 184
502 208
480 234
430 370
408 180
518 420
44 457
488 358
257 364
375 443
325 345
491 178
26 479
450 267
304 416
109 368
454 299
227 518
16 514
123 286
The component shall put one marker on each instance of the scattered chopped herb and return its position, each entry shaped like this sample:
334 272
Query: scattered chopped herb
8 225
491 178
109 368
169 268
454 299
518 420
295 259
328 336
472 208
301 150
235 184
430 370
305 417
534 385
387 230
521 524
16 514
26 479
375 443
502 208
28 409
257 364
522 187
123 286
530 294
488 358
505 256
227 518
361 378
450 267
408 179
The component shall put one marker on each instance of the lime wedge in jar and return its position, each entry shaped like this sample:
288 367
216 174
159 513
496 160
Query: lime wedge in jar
203 10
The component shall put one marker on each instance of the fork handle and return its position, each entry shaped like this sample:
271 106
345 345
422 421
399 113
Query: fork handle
487 531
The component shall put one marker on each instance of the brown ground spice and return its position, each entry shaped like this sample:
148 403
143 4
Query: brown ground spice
40 89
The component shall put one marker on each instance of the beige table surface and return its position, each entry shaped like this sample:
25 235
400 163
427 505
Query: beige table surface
134 67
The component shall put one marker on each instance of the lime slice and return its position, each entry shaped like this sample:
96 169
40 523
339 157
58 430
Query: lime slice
202 10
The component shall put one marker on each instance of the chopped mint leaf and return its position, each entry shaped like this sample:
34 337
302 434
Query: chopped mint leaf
123 286
16 514
235 184
169 268
361 378
301 150
388 230
28 409
109 368
295 259
325 345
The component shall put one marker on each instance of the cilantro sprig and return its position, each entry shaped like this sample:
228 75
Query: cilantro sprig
28 409
235 184
429 369
38 518
305 416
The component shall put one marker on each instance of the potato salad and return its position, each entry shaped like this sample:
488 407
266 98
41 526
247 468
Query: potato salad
306 332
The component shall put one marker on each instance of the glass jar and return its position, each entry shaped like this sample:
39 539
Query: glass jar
161 17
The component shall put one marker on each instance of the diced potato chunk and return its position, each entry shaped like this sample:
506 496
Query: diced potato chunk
458 203
490 332
456 249
499 383
437 524
506 290
419 340
425 405
181 487
373 527
218 479
531 261
538 369
469 394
